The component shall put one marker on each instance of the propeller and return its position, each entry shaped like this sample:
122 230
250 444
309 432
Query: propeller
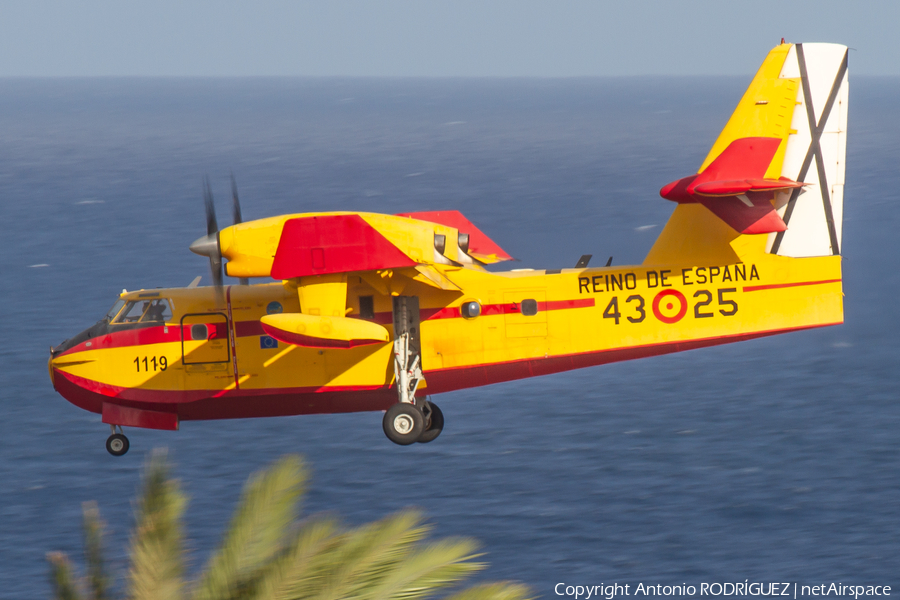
208 245
212 234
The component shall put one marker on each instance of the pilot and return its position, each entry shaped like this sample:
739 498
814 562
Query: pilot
155 312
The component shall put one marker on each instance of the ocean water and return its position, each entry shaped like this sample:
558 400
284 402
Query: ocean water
769 460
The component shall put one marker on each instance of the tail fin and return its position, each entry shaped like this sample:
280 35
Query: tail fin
776 169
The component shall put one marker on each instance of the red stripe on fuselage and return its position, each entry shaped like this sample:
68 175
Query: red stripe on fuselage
173 333
776 286
159 334
248 328
131 337
510 308
202 404
230 404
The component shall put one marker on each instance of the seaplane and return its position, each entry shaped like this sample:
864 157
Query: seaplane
359 311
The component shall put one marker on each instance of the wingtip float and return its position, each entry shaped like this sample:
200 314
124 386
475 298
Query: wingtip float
368 312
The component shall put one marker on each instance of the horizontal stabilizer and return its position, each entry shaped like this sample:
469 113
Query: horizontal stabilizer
734 187
314 331
481 247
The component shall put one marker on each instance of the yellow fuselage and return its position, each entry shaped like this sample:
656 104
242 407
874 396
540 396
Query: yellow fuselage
583 317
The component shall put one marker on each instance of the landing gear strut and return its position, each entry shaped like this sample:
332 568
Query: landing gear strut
407 368
117 444
409 420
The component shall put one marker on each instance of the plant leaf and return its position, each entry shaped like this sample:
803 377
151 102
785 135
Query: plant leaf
256 535
157 557
97 579
426 570
298 572
64 585
368 553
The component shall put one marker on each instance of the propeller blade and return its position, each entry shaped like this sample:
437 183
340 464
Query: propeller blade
209 245
236 206
215 268
211 225
236 214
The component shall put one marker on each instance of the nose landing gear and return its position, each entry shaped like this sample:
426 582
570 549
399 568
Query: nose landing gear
117 444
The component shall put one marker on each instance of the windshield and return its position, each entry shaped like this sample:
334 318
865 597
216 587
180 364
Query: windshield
110 315
145 311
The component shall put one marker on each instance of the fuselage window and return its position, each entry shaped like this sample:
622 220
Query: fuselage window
529 307
115 310
159 311
199 332
367 307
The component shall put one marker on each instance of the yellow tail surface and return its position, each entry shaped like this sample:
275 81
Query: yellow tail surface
798 100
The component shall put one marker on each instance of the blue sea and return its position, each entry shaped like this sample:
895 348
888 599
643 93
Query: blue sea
774 460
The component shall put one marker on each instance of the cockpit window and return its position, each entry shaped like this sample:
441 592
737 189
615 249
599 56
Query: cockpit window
115 310
159 311
146 311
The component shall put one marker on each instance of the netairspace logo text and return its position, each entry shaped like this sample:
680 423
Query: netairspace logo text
744 588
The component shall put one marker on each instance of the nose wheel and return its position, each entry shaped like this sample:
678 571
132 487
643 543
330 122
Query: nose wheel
117 444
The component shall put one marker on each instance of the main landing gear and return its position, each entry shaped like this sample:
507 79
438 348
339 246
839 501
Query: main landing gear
117 444
405 423
410 420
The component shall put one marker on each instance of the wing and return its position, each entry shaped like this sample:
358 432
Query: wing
318 252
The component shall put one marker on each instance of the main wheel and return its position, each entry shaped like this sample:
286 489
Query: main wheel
436 426
117 444
403 423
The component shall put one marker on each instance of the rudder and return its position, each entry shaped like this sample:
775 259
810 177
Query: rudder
815 154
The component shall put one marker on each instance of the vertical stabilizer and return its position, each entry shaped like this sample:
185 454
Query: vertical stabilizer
773 180
815 153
